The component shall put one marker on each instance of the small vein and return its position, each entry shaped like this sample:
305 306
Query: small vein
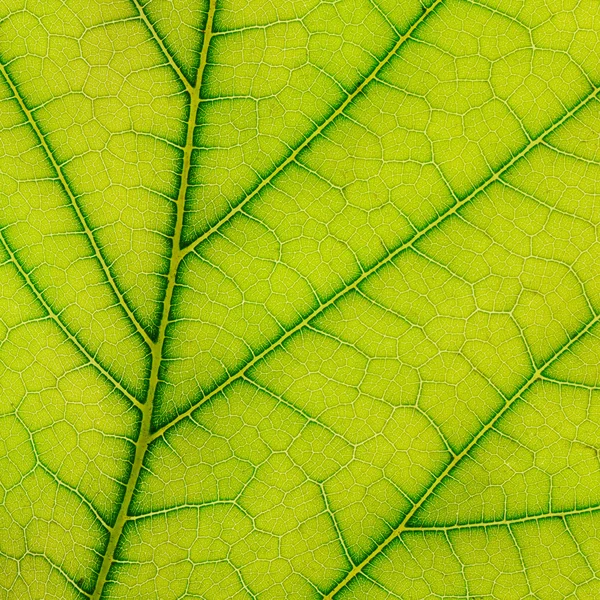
521 558
577 545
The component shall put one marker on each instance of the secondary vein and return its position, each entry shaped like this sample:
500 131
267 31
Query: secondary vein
496 176
28 113
52 314
188 86
537 375
507 522
316 132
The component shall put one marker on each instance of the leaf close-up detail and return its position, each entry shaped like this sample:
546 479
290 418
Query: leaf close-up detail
299 299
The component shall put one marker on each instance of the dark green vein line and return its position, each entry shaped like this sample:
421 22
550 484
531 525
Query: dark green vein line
184 80
73 201
316 132
143 440
55 567
73 338
455 461
508 522
61 484
377 266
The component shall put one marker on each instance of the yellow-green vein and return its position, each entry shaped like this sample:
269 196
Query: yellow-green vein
157 347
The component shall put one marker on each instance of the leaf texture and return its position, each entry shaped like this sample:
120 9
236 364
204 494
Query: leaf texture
299 299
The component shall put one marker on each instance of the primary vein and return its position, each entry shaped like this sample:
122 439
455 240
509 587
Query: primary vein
157 346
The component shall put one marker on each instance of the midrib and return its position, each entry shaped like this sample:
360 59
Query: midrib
157 347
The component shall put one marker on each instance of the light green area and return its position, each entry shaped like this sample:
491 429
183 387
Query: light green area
299 299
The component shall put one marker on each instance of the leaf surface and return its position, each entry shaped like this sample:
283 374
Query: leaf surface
299 299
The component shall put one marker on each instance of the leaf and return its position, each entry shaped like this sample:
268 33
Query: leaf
299 299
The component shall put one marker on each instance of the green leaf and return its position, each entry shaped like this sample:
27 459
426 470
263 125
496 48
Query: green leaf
299 299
